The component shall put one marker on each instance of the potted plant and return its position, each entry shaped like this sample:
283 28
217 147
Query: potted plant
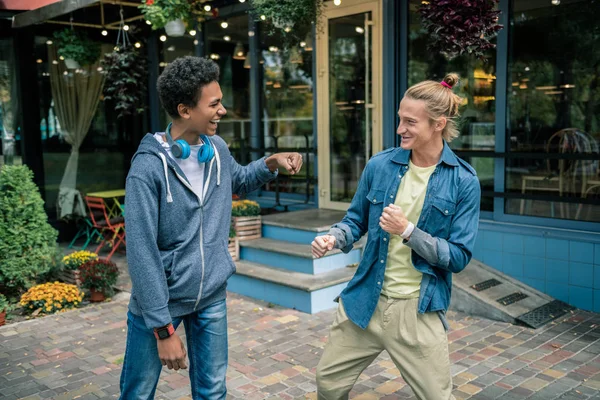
99 276
126 78
72 262
234 245
51 297
76 48
3 309
246 219
292 19
169 14
457 27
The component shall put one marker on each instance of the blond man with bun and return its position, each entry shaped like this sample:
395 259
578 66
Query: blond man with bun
419 204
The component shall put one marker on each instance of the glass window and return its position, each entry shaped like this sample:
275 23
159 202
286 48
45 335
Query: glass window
288 103
477 87
229 48
9 123
101 164
554 110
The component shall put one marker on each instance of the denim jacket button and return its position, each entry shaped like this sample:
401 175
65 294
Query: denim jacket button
379 283
385 239
374 200
446 212
381 261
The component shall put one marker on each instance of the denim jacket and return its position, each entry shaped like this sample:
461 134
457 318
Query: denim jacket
442 241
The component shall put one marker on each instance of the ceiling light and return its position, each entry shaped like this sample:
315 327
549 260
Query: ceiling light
49 42
224 24
39 61
242 1
238 52
337 2
555 2
104 32
163 38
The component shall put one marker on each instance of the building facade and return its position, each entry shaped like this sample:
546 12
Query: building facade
530 118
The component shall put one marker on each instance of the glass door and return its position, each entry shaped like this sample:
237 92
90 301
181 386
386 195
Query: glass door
349 99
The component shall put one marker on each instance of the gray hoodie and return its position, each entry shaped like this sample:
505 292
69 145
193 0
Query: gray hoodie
177 244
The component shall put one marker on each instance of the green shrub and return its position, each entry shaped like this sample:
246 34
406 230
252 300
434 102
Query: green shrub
28 246
3 303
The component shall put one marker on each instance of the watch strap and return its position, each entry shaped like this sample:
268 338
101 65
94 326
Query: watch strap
164 332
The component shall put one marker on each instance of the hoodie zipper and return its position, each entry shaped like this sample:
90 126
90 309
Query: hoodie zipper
186 184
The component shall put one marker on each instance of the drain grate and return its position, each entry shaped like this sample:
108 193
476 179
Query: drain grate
486 284
512 298
544 314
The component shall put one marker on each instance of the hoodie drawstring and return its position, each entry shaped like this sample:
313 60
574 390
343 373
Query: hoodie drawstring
164 161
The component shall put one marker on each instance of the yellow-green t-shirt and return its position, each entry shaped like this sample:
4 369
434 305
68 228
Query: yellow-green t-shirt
401 279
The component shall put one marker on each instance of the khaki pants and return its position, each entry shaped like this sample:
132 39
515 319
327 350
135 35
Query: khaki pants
417 343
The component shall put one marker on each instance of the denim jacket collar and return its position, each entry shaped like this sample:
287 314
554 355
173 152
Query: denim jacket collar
448 157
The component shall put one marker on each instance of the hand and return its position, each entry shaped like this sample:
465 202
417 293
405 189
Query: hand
322 244
393 220
171 352
292 162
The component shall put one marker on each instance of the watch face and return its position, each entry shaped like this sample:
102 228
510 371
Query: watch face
163 334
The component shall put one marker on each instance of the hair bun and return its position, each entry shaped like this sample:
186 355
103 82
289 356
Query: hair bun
451 79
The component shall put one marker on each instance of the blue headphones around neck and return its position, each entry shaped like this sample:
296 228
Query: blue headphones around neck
181 148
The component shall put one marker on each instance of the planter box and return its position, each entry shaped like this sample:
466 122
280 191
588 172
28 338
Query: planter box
247 228
70 276
234 248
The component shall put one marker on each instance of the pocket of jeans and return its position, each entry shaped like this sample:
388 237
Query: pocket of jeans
431 334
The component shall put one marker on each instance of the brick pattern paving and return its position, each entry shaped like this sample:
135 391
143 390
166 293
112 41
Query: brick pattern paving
274 352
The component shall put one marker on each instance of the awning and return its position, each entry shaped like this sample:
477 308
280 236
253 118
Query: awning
24 4
62 7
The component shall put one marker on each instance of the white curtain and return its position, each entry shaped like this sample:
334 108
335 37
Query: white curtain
76 94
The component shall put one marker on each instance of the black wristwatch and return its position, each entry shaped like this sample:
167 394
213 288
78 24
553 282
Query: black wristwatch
164 332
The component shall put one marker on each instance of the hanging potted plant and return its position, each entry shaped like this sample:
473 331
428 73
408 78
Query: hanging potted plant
292 19
457 27
3 309
99 276
76 48
126 78
169 14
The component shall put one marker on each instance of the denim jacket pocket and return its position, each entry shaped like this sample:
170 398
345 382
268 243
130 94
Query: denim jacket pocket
375 197
440 219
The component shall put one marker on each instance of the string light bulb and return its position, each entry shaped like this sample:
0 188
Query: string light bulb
148 22
207 8
224 24
263 17
163 38
193 32
125 27
137 45
104 32
337 2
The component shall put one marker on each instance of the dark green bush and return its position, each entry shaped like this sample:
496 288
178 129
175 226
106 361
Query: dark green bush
28 248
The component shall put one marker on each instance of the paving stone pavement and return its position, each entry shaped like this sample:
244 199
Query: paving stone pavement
273 353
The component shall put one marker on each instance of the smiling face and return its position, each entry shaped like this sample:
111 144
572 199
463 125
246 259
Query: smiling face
417 130
204 117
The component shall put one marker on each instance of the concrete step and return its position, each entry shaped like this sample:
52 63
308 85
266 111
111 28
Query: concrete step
485 302
303 292
296 257
300 226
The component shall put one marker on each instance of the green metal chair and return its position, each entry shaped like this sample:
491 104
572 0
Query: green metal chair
86 230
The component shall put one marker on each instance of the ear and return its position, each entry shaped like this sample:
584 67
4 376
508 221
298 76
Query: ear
184 111
440 124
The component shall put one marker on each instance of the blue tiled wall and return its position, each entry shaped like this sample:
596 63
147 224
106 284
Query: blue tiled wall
566 269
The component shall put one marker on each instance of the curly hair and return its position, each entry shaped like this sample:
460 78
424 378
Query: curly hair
182 81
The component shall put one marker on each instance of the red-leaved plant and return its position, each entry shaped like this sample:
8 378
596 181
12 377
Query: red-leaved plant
99 275
459 27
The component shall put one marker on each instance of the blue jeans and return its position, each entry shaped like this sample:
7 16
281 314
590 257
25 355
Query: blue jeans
206 334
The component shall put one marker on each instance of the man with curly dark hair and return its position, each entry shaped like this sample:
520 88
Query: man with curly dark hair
178 216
